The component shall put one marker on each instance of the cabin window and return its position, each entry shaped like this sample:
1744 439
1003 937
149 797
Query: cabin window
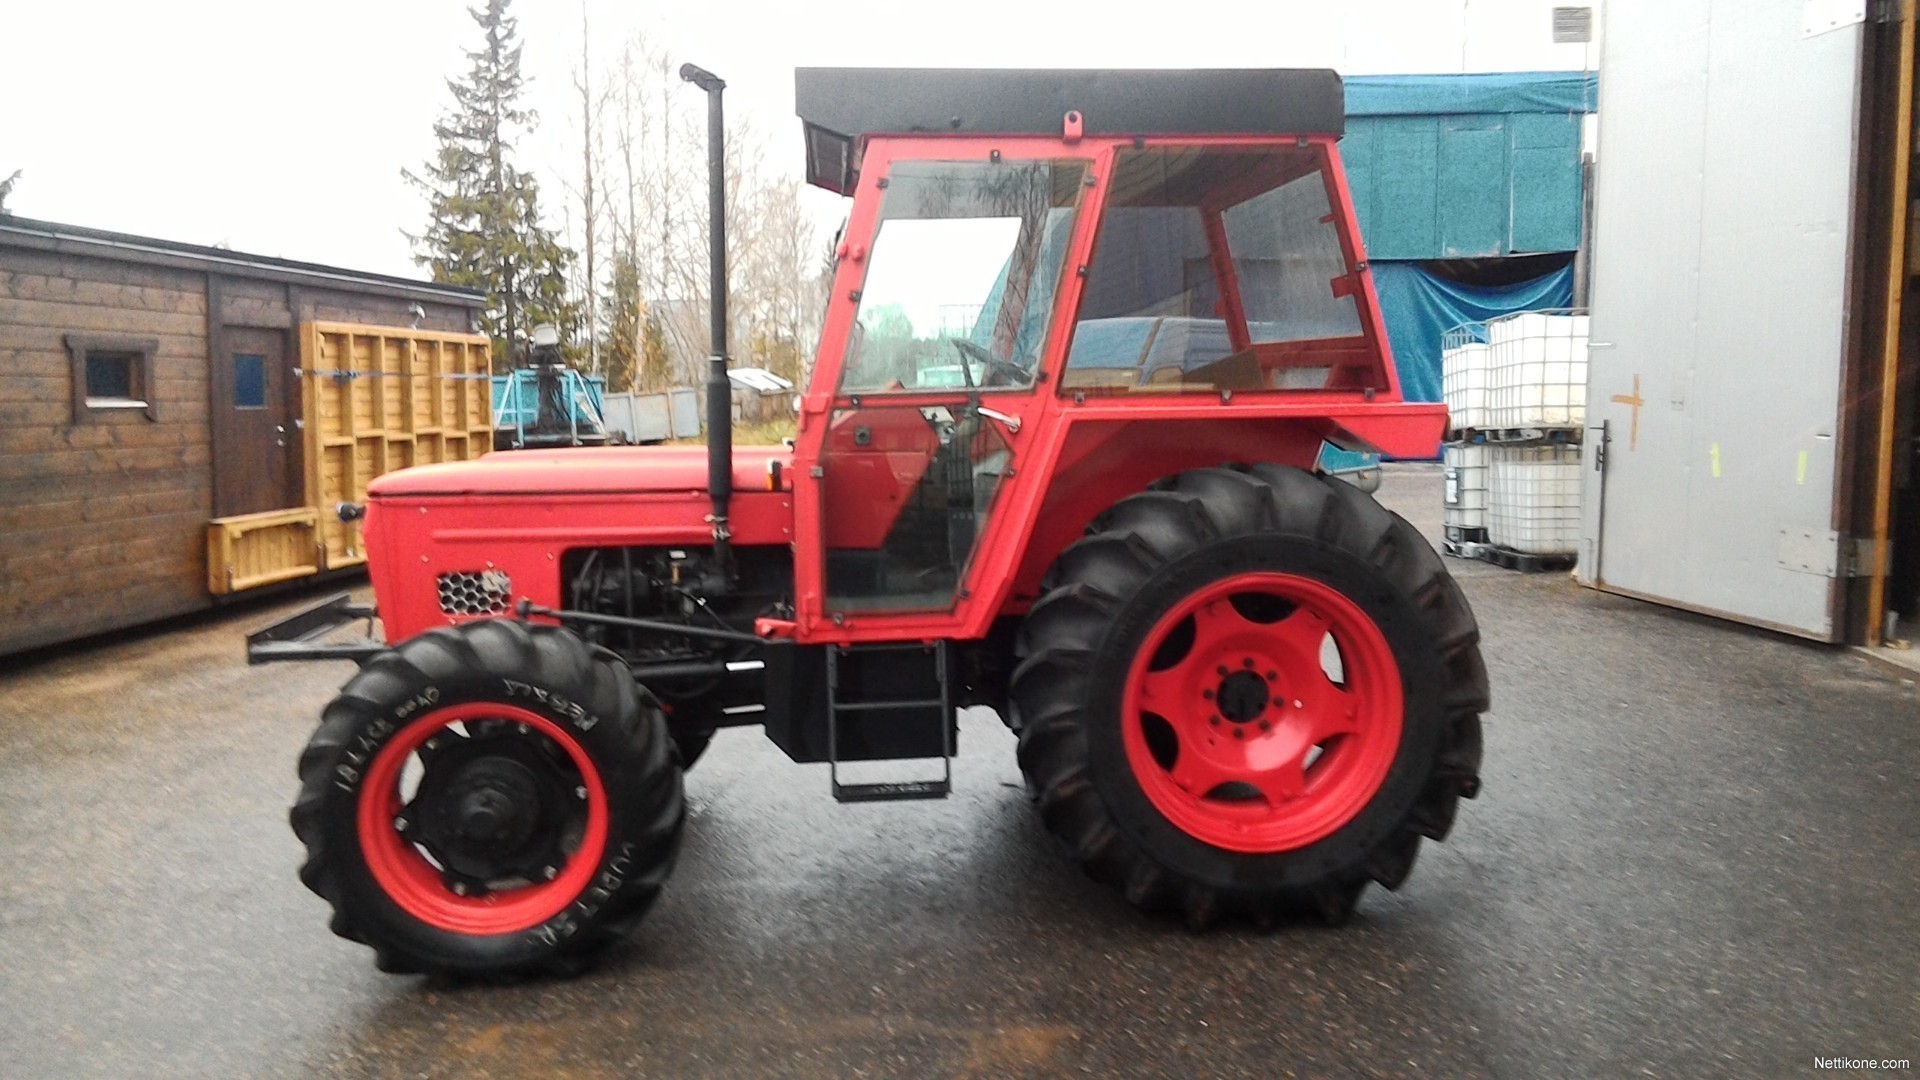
111 375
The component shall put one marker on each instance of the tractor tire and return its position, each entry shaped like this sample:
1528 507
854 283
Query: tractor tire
690 724
690 743
692 719
1192 735
493 801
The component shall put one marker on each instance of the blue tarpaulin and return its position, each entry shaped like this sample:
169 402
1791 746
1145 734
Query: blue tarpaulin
1467 166
1419 307
1452 95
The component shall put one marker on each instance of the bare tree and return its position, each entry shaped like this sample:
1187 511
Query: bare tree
648 210
639 217
592 101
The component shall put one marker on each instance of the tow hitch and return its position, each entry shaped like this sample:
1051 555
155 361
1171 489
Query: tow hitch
302 635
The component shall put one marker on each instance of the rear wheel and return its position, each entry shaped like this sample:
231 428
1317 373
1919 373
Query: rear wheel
495 799
1250 692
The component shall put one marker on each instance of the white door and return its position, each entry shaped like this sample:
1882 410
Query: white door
1723 209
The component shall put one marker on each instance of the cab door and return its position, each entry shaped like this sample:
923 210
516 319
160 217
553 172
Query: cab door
938 334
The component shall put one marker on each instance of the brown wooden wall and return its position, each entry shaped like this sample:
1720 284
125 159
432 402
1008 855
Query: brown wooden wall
102 522
330 305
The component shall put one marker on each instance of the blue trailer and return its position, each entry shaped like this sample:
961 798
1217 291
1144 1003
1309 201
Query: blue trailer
548 405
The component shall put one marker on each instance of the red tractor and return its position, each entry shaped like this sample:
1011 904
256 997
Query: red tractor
1088 336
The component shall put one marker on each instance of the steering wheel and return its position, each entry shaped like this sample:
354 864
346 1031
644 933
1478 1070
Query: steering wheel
1012 374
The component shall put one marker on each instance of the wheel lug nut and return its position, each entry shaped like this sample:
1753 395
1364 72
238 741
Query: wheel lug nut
1223 669
551 872
524 729
1214 720
1238 734
1264 726
1248 661
1207 694
580 792
1272 675
400 824
459 888
1298 704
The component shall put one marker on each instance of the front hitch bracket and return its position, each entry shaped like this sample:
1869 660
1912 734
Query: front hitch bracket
302 635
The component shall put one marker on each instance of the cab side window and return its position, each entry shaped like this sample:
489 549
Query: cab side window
1217 268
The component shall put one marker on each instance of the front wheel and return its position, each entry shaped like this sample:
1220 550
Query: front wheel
495 799
1250 692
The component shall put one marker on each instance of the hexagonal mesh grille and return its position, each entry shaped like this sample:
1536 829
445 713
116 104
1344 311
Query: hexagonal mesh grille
474 592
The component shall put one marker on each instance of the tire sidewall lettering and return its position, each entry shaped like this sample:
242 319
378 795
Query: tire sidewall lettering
360 750
552 702
606 884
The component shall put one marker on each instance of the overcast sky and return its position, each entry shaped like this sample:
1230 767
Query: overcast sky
281 129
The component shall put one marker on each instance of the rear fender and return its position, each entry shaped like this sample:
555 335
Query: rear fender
1106 461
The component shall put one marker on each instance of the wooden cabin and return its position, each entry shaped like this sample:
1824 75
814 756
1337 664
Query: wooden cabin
179 424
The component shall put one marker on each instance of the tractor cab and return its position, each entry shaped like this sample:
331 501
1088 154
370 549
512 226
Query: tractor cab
1089 339
1029 250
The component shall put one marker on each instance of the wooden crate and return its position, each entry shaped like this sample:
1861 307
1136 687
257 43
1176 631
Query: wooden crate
251 550
380 398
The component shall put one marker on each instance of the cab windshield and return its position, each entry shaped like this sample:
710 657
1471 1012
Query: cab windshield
963 274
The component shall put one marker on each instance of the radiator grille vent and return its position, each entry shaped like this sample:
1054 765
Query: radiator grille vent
475 592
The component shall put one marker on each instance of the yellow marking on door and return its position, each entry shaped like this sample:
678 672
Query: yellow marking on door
1634 400
1714 455
1800 470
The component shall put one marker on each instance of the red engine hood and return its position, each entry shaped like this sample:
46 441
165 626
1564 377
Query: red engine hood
599 470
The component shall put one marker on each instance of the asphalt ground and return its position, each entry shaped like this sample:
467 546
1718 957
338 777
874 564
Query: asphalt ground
1696 855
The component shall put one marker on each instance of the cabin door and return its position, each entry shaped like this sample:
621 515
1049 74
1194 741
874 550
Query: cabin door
255 432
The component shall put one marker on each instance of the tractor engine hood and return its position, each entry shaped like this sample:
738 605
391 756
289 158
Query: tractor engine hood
520 514
576 470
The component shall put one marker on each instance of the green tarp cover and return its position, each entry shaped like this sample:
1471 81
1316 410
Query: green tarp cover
1452 95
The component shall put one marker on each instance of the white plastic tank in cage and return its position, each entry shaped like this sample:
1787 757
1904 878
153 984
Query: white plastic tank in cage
1464 378
1464 467
1534 502
1538 376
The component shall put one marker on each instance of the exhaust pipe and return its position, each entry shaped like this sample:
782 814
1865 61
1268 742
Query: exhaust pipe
719 387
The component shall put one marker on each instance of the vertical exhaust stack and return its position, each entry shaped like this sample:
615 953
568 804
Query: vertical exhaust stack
719 387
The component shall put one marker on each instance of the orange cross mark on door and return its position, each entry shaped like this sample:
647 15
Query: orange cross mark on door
1635 400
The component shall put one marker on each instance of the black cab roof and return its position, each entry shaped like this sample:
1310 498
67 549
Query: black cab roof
840 105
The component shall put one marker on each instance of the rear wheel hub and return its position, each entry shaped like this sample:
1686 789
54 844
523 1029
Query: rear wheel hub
1262 712
1242 696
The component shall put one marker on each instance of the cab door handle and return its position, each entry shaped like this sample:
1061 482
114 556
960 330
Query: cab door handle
1012 422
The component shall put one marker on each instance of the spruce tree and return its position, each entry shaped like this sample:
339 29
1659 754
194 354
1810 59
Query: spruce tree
6 189
483 215
625 314
634 343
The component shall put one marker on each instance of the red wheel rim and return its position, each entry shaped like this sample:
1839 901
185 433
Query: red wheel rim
403 871
1236 726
